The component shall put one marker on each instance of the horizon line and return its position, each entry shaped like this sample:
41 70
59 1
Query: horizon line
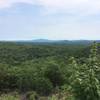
12 40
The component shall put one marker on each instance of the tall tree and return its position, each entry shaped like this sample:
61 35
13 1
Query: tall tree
86 84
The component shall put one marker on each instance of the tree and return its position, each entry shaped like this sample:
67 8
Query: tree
54 74
85 82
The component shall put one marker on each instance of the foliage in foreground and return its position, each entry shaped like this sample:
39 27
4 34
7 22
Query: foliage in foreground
85 83
9 97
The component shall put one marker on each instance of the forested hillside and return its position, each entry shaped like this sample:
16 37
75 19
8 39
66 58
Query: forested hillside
16 53
50 71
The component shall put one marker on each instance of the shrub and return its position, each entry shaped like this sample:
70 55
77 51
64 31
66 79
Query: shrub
32 95
85 84
54 74
9 97
43 86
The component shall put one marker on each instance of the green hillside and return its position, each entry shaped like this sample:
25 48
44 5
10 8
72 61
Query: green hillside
49 72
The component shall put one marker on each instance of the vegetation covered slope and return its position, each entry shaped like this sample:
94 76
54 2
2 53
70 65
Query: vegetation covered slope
16 53
51 70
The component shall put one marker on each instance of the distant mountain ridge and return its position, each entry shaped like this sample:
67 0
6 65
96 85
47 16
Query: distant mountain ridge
65 41
47 41
42 40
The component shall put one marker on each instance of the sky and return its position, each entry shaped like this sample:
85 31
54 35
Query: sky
50 19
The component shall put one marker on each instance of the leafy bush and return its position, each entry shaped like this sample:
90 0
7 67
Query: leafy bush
85 84
9 97
43 86
54 74
32 95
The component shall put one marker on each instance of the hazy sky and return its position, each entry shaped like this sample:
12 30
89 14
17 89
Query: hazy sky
49 19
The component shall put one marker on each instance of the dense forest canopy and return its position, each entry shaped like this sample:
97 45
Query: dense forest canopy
18 53
70 70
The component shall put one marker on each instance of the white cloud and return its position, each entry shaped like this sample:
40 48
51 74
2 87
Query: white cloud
81 6
9 3
73 6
